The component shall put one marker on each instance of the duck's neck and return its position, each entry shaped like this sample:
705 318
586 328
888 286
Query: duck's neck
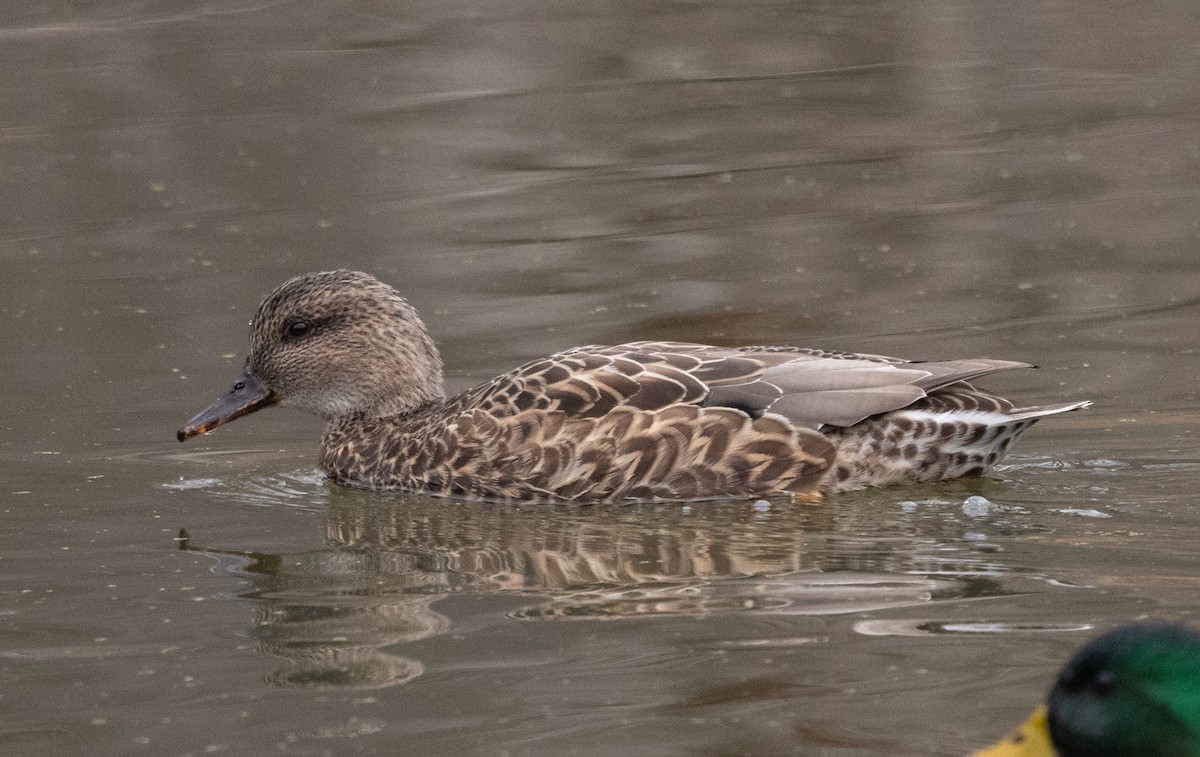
411 380
406 406
419 387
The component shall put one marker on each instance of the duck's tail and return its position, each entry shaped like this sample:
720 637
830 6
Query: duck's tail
1040 411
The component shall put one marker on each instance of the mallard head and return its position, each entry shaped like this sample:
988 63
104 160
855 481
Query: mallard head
1131 692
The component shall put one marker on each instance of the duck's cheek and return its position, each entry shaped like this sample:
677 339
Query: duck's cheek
325 403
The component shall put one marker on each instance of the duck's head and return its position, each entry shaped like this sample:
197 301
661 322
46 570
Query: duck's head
333 343
1132 692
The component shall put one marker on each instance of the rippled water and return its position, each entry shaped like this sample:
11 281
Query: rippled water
924 180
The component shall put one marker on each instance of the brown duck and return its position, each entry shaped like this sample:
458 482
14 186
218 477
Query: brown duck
639 421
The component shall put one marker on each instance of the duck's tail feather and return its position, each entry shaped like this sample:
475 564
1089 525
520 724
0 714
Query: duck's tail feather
1039 411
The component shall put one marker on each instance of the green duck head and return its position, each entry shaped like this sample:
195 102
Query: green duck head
1131 692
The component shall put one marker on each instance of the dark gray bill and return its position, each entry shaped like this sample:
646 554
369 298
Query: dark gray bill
244 397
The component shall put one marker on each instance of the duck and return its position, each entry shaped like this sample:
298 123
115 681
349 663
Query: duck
640 421
1131 692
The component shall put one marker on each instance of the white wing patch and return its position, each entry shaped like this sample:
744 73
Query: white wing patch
950 416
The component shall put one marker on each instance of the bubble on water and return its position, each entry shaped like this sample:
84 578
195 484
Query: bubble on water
976 506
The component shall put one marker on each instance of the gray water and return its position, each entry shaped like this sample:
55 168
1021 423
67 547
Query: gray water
928 180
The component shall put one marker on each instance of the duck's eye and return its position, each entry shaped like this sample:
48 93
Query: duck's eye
1103 683
297 329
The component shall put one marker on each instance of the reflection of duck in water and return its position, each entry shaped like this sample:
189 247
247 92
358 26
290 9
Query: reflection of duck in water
652 559
1134 692
640 421
327 617
348 614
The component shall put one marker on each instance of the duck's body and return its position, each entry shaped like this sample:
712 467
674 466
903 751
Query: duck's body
1131 692
640 421
684 421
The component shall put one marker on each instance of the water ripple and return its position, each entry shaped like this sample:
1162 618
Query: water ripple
783 595
920 627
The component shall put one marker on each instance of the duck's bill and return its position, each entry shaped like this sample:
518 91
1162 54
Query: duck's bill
245 396
1031 739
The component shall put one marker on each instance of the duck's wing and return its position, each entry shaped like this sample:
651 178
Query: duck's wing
812 388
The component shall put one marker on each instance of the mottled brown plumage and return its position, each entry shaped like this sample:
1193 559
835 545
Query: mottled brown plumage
640 421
